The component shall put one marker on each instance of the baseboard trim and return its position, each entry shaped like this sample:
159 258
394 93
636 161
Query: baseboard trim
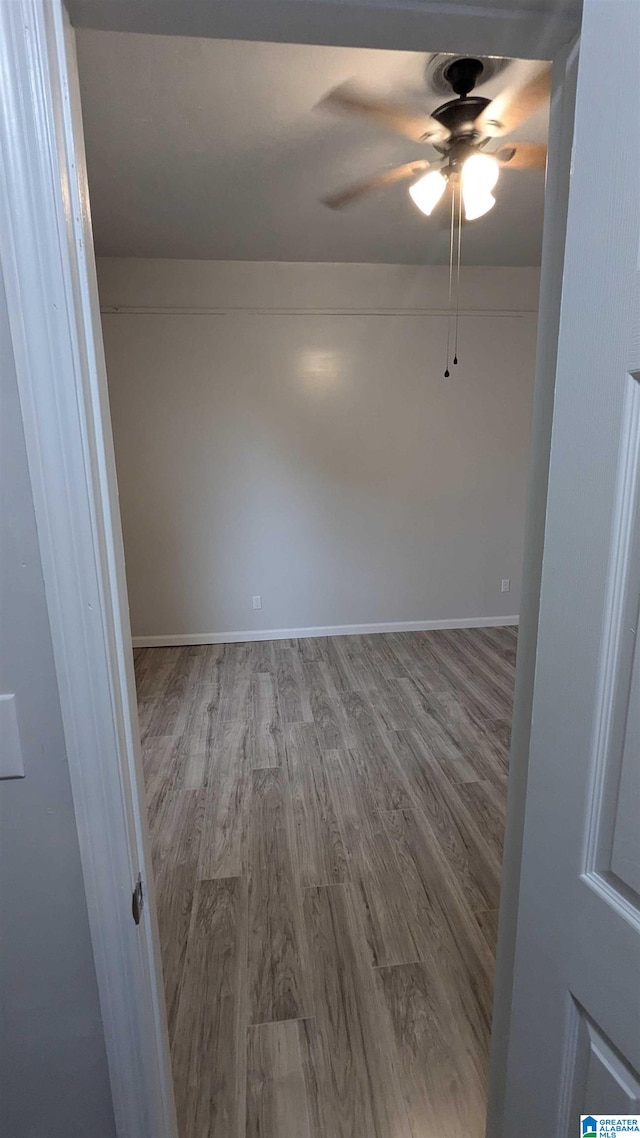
186 638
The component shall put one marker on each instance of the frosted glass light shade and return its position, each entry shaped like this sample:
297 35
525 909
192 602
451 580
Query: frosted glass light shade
427 191
476 203
479 176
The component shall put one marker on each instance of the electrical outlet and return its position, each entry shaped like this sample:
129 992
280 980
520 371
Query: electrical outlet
257 602
506 585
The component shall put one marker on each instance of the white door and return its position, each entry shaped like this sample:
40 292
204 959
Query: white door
574 1045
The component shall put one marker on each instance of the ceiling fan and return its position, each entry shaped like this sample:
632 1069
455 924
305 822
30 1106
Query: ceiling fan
459 130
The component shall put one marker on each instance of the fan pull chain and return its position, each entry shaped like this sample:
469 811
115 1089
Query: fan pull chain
447 373
455 349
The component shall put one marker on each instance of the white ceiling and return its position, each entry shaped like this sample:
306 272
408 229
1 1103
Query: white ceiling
205 148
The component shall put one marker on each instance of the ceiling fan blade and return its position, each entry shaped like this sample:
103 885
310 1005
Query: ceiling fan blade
523 156
512 107
412 124
386 178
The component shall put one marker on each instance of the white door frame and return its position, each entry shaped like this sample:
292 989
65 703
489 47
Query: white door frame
48 264
46 250
556 203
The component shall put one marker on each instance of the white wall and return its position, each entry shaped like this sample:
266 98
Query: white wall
286 430
54 1080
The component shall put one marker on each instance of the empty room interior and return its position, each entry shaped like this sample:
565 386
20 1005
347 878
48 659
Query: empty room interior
319 307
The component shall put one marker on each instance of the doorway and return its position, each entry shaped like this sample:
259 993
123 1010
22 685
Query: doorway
326 782
80 8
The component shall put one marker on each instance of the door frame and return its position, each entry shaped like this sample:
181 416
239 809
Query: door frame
48 263
46 252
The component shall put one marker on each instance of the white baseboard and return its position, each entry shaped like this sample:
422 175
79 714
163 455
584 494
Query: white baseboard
179 639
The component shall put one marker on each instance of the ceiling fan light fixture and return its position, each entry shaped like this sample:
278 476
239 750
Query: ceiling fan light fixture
427 191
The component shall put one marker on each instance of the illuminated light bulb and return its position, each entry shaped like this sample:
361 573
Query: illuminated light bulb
479 176
480 171
426 192
476 203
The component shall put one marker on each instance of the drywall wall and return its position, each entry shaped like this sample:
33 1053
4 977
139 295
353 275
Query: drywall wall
285 430
53 1066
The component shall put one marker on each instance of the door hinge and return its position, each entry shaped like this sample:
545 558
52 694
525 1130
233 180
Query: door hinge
137 900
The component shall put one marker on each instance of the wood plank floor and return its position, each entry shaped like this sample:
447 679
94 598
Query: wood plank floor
326 819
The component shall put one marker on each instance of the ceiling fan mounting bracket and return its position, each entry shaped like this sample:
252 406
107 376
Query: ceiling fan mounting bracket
462 75
436 80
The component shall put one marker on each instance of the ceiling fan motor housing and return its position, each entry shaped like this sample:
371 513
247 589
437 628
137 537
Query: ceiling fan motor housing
459 116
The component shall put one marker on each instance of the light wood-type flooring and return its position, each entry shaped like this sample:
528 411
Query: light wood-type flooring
326 819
